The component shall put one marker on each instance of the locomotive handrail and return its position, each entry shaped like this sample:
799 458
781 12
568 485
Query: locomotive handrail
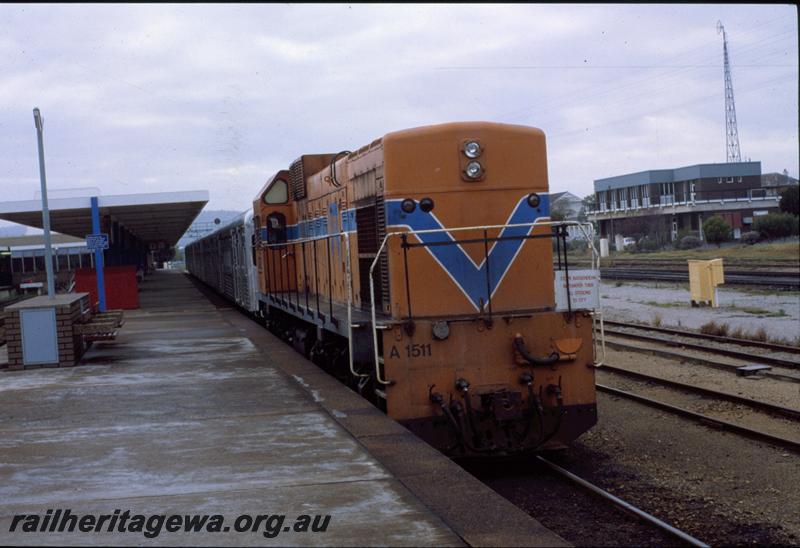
348 279
348 274
586 228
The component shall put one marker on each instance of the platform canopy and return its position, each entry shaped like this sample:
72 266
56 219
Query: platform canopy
151 218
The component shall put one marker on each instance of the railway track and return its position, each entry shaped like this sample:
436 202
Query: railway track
736 354
780 410
618 502
567 504
713 338
772 279
788 375
703 418
789 266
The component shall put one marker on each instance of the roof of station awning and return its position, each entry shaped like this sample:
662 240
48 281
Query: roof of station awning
155 217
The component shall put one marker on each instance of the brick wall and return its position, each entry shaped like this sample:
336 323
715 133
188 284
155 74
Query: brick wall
70 345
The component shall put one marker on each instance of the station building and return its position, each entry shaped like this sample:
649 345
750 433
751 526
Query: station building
140 230
665 202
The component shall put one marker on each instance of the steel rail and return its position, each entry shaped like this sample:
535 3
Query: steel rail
682 269
671 276
757 404
718 338
699 417
771 360
722 366
734 268
628 507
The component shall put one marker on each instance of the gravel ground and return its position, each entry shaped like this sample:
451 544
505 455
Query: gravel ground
711 344
767 389
575 514
742 415
642 301
718 487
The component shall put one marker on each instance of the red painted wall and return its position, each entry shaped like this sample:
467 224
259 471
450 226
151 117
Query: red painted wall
122 291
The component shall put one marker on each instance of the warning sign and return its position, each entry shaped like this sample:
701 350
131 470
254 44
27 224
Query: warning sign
584 289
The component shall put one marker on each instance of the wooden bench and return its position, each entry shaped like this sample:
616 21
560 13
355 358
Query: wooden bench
102 327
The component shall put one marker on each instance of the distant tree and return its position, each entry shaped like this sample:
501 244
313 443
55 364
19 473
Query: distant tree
717 230
689 242
588 204
559 211
790 200
776 225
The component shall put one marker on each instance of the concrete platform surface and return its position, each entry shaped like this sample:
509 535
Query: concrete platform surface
196 410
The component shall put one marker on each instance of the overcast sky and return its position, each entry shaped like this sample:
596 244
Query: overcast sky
149 98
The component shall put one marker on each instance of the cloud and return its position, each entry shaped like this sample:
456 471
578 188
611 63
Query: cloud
149 97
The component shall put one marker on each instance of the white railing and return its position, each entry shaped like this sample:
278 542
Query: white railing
646 203
586 228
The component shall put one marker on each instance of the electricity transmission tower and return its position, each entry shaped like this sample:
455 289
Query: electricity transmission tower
731 131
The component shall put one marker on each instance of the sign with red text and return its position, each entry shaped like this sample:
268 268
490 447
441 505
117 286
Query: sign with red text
584 289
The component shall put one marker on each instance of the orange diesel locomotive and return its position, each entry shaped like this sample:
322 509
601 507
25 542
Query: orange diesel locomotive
419 270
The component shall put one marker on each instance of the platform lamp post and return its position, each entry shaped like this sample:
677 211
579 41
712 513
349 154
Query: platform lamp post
48 249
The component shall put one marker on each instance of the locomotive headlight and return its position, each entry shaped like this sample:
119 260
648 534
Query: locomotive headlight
474 170
440 330
408 205
472 149
533 199
426 205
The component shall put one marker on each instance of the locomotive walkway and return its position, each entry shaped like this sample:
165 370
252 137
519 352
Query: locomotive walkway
196 410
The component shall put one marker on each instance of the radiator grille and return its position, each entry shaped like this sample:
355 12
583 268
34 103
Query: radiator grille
297 185
367 227
371 229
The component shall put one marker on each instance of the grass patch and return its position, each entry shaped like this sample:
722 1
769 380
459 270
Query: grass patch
759 311
761 335
750 290
714 328
778 251
666 305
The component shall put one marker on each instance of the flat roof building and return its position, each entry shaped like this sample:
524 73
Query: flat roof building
666 202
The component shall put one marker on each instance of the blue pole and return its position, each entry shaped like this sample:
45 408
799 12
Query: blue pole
98 256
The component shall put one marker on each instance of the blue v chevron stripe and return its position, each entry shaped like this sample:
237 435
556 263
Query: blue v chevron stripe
468 276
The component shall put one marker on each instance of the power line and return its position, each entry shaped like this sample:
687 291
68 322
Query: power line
548 104
696 100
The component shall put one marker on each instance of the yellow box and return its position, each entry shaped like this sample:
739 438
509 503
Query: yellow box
717 272
704 277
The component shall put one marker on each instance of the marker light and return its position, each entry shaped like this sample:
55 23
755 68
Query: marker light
473 170
408 205
426 205
472 149
533 199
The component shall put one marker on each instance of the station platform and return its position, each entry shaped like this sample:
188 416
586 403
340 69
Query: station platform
197 410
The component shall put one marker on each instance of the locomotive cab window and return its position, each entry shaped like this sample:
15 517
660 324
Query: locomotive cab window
277 193
276 228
